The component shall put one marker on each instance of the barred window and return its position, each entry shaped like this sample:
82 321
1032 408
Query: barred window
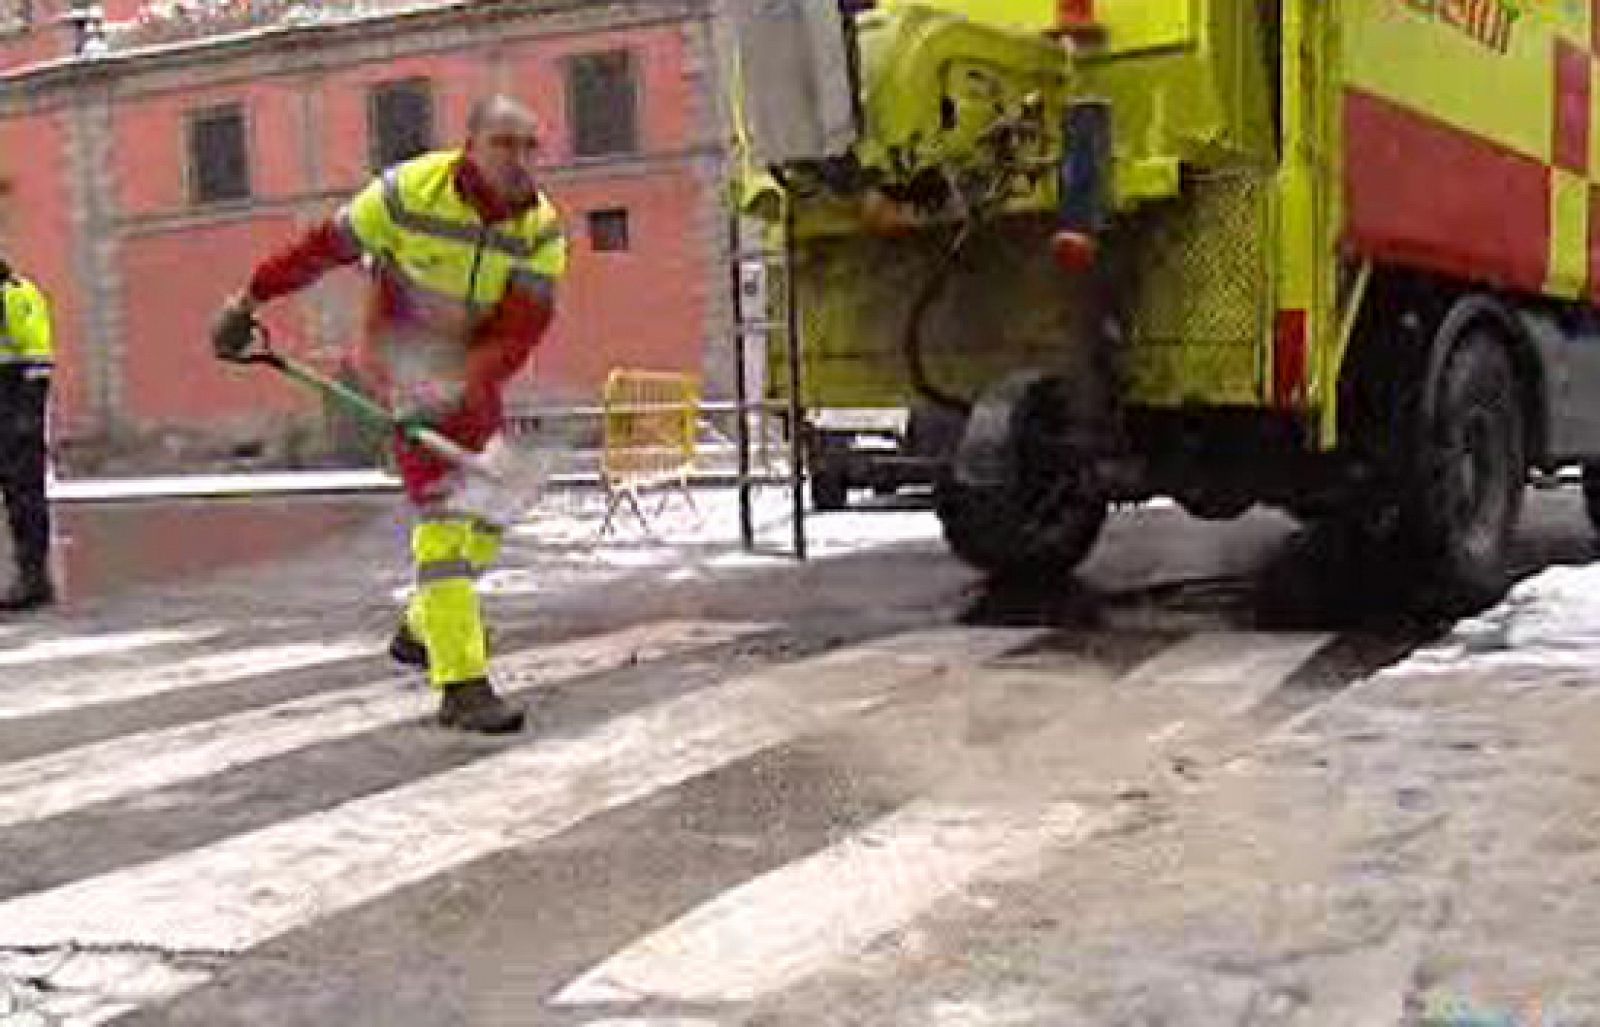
399 121
608 230
219 158
603 102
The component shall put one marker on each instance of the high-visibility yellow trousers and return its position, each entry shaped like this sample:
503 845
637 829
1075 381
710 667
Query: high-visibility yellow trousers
448 555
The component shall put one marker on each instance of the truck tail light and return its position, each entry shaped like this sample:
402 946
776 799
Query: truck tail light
1289 358
1074 252
1075 21
1075 14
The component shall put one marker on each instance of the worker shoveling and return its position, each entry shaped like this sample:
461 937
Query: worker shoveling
465 252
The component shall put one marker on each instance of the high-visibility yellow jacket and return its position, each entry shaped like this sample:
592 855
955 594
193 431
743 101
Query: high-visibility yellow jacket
26 337
464 286
450 265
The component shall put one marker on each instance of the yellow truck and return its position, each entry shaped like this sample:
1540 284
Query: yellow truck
1340 257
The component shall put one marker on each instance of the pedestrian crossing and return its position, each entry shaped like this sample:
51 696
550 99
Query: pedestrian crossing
113 643
60 694
62 782
982 805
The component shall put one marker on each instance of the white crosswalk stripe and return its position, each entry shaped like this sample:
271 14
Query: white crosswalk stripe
252 887
110 644
754 939
62 782
801 918
237 893
791 923
39 695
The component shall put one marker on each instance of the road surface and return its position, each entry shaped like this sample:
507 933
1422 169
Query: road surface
1214 781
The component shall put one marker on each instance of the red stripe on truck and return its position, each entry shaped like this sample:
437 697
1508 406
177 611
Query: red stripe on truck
1424 194
1289 345
1573 68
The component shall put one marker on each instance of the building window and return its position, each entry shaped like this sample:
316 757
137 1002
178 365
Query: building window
219 159
399 121
603 104
15 16
608 230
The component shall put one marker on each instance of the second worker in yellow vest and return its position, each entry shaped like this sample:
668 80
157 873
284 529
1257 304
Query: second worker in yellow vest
465 254
27 360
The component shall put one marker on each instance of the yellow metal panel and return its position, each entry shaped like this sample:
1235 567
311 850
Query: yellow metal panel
1034 14
1203 305
1130 24
1299 179
1485 76
1142 25
1569 236
1311 199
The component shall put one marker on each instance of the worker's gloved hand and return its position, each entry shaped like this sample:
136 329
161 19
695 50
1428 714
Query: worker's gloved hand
235 330
432 401
427 404
412 423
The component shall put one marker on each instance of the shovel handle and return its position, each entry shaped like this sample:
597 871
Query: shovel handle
366 408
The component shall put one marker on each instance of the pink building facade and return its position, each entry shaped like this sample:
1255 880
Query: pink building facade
144 182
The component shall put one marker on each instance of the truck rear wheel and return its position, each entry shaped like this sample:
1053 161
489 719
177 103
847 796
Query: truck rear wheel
830 490
830 473
1591 494
1012 504
1468 487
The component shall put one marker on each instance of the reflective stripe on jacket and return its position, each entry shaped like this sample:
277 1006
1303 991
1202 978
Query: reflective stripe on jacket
450 266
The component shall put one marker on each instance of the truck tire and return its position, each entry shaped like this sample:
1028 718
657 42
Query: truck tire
1008 504
1470 476
830 475
1000 536
1591 494
829 490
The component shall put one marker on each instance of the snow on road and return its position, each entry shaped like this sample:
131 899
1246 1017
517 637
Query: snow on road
1549 623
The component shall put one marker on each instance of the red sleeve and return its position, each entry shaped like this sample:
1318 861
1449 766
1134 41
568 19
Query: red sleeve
319 250
507 339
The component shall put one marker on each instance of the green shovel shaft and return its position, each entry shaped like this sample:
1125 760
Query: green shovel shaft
364 407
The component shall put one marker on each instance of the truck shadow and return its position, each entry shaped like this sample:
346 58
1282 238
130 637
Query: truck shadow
1315 579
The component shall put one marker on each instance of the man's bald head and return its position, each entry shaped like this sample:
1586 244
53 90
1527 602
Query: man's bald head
503 141
500 109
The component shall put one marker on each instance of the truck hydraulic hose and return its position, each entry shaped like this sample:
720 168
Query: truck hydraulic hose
911 344
974 209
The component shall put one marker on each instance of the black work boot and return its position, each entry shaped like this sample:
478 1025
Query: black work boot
474 706
30 592
407 649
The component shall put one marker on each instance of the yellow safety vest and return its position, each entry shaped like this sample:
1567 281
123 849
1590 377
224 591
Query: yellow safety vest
25 333
412 220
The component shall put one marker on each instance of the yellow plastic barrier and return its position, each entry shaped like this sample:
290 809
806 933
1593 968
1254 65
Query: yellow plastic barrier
651 422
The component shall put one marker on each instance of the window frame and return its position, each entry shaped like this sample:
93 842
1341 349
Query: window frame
193 118
17 17
375 92
605 215
635 142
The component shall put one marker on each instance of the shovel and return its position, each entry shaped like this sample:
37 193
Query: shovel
368 409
